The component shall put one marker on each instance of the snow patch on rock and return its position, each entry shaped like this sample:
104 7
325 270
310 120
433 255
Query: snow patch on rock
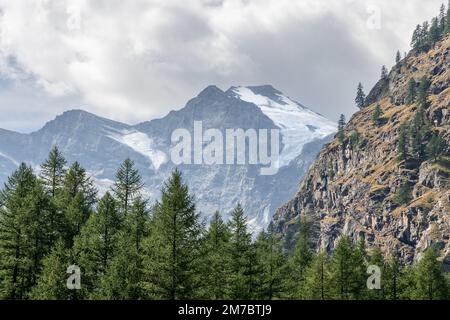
293 119
143 144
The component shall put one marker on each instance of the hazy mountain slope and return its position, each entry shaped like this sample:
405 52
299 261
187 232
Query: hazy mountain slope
101 145
351 190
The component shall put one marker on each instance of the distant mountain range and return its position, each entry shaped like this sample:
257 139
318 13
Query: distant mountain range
100 145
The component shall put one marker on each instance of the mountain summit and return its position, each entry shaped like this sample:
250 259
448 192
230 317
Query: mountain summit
100 145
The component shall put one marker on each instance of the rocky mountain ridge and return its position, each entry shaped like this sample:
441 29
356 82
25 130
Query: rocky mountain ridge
100 145
351 187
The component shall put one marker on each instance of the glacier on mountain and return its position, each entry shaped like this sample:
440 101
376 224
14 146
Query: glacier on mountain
100 145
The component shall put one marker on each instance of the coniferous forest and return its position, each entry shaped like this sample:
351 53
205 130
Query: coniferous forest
62 239
127 248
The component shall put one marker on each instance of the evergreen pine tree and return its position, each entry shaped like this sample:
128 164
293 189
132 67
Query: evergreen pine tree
23 233
341 268
298 263
341 126
317 286
53 172
398 57
424 36
95 246
172 251
436 147
271 263
403 195
416 38
402 144
411 94
52 282
447 26
430 281
442 20
52 176
217 260
435 33
358 266
360 97
241 248
407 283
128 185
391 279
422 92
124 277
377 113
76 199
419 133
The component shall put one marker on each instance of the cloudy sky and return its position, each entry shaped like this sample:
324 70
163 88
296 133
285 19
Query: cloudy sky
136 60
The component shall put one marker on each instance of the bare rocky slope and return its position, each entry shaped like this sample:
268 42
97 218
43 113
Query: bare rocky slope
350 188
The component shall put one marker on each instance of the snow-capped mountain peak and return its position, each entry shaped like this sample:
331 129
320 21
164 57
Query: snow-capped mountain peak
298 124
100 145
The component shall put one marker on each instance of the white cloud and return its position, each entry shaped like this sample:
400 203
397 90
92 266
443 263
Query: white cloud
135 60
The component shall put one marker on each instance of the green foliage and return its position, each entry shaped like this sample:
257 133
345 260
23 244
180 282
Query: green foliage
426 35
447 23
429 281
360 99
341 266
391 280
241 256
217 260
422 92
128 185
53 172
398 57
23 233
52 176
359 266
168 255
402 144
76 200
436 147
96 245
403 195
376 114
124 277
270 266
355 138
298 264
411 93
317 285
51 284
341 126
172 251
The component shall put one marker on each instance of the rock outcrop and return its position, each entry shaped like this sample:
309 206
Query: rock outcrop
351 187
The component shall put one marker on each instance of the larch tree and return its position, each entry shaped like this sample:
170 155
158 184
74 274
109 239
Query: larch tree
128 185
241 253
96 245
217 260
24 214
172 251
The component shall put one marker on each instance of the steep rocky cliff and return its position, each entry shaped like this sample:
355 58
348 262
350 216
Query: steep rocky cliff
351 188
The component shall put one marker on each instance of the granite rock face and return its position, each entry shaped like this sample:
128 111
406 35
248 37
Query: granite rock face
350 189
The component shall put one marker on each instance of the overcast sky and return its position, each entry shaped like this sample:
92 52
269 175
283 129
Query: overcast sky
136 60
